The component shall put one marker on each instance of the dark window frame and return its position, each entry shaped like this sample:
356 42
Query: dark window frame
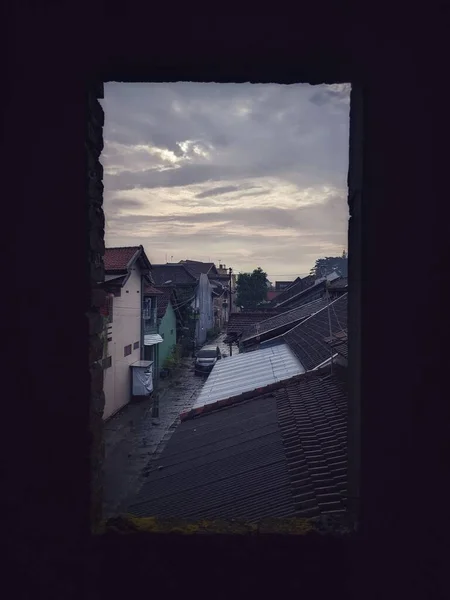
354 248
136 345
127 350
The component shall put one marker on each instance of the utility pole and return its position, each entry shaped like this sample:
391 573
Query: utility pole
230 270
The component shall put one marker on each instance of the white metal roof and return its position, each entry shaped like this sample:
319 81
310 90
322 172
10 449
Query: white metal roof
152 339
142 363
245 372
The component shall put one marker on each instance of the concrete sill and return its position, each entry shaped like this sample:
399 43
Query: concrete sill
327 525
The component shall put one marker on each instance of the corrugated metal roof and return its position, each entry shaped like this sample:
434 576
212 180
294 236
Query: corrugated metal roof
152 339
241 373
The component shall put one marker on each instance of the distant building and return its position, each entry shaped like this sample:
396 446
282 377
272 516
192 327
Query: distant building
162 322
272 294
193 289
224 278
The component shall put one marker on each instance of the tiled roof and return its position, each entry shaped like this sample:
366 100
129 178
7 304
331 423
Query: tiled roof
196 267
339 284
241 320
297 293
314 291
341 347
298 286
280 454
174 272
313 423
310 340
229 464
117 259
283 320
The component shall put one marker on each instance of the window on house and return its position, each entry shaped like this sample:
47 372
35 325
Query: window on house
135 345
147 308
127 350
107 308
107 362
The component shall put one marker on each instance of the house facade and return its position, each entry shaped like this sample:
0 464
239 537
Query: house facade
127 271
166 328
151 338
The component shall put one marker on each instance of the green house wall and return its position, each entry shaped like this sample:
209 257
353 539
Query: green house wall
168 330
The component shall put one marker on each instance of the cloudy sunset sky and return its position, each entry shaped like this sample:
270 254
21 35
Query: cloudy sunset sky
243 174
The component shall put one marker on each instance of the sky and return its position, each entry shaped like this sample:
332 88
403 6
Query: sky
247 175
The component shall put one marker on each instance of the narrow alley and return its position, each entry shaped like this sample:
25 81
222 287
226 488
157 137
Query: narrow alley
134 438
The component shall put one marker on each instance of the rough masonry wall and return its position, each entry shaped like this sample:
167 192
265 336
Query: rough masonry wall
96 250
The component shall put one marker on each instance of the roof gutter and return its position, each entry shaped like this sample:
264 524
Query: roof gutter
272 387
207 408
326 362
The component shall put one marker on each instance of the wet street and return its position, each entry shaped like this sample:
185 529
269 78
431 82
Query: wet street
134 438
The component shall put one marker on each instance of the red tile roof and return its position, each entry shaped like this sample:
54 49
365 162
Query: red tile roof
117 259
272 294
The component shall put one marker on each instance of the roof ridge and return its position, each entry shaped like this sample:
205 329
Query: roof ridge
122 247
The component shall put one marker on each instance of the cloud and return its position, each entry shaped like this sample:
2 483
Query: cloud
250 172
225 189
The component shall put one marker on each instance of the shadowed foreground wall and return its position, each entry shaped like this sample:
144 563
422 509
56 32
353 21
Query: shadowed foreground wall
53 240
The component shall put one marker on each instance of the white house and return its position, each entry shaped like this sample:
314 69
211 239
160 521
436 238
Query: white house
127 272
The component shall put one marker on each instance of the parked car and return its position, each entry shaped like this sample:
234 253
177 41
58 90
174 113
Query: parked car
206 359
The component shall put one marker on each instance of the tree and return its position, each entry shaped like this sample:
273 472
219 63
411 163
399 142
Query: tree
326 266
251 289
